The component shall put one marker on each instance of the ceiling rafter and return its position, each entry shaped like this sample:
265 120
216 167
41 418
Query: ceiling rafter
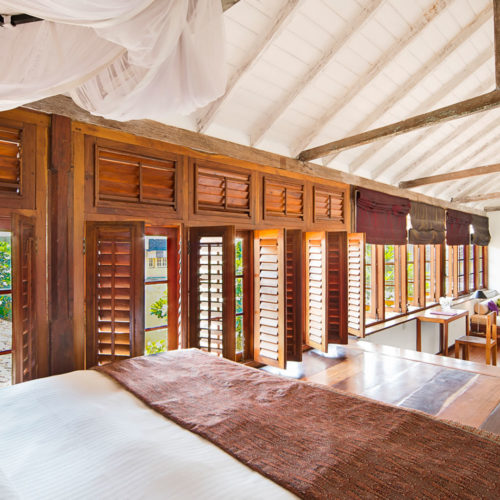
492 209
425 70
395 49
280 107
432 100
450 176
208 113
476 197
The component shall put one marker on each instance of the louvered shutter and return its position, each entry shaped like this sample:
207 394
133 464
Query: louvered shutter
283 199
115 291
10 160
123 176
23 298
337 287
222 190
212 311
356 284
293 294
316 291
328 205
269 302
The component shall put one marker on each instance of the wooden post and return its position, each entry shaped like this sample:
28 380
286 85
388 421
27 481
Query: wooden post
60 221
496 30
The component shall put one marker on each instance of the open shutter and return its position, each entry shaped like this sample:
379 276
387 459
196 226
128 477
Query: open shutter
23 298
212 311
316 291
269 303
293 288
115 291
356 284
337 288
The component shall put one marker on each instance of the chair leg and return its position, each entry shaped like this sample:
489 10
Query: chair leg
466 352
457 350
488 354
494 355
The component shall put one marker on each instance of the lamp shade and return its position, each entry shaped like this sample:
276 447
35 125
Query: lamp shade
479 294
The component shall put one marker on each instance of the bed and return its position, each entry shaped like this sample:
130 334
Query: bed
186 424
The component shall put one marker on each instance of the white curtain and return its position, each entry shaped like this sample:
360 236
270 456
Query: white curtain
121 59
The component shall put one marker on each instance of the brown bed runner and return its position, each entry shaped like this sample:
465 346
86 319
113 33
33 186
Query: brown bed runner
316 442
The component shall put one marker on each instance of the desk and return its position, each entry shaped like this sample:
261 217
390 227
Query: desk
443 321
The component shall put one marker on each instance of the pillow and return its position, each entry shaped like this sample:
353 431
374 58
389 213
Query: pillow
492 306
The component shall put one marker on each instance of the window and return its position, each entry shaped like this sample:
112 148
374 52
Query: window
370 283
160 289
239 295
461 263
472 280
410 275
5 309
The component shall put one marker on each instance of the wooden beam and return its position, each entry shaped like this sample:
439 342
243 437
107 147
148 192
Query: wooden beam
496 28
451 176
478 139
476 197
374 70
208 113
188 139
227 4
477 104
492 209
426 69
338 42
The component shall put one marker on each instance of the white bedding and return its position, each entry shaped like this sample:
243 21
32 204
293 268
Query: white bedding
82 436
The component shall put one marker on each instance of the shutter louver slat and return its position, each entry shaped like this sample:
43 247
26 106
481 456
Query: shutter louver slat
355 266
10 160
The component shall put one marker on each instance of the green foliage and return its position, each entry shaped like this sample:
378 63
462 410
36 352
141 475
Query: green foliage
156 347
160 307
5 280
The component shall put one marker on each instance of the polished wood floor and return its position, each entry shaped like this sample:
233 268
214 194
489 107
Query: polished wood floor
462 391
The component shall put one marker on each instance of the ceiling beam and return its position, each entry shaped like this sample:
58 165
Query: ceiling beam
477 104
208 113
451 176
492 209
425 70
476 197
338 42
62 105
227 4
373 71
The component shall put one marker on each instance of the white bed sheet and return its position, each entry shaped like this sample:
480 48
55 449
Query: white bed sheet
82 436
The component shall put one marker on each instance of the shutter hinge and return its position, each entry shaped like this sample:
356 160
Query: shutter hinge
84 246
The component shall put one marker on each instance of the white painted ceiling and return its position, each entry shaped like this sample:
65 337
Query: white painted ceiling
306 72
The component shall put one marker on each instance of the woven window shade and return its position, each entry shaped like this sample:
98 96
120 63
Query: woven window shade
381 217
481 227
428 224
457 227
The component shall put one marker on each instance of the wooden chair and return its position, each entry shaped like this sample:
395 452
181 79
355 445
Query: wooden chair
488 339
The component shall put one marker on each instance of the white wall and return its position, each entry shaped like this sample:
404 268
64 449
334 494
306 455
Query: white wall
494 252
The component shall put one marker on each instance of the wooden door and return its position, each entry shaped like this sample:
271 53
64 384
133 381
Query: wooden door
114 291
24 334
211 291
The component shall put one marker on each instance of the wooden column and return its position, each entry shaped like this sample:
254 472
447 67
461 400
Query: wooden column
60 221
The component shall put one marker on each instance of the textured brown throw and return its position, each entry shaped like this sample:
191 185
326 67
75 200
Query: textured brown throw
316 442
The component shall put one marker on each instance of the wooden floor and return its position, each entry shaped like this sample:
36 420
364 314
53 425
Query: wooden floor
462 391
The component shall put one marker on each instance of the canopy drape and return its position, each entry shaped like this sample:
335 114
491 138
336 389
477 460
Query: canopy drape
427 224
457 227
381 217
121 59
481 235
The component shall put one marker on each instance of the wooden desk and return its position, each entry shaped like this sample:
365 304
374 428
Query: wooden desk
443 321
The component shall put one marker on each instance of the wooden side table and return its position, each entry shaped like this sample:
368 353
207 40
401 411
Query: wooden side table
443 321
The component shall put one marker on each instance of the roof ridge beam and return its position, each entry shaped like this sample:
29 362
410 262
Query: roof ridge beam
369 75
208 113
280 107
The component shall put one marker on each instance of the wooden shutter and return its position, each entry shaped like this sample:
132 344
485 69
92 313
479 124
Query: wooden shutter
23 299
10 160
293 297
316 290
337 287
122 176
269 303
328 205
283 199
212 311
356 284
223 190
115 291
